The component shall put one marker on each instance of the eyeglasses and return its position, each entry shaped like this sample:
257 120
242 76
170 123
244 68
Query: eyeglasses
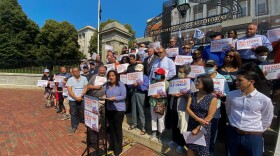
160 52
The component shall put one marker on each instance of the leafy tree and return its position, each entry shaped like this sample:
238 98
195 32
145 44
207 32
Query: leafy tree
58 41
17 32
93 40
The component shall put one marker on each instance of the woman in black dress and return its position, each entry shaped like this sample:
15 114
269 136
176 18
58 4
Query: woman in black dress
201 107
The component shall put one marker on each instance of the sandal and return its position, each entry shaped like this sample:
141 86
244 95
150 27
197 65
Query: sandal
143 132
131 128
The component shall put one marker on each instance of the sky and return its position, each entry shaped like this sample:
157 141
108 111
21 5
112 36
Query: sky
81 13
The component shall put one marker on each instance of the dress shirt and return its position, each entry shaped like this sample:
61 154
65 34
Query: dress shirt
218 57
248 53
252 113
119 92
76 84
167 64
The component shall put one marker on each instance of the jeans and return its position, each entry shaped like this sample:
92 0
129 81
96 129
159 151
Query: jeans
75 112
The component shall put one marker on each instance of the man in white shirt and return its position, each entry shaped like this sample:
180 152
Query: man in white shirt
250 113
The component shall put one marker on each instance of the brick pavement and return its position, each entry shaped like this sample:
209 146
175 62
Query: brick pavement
27 128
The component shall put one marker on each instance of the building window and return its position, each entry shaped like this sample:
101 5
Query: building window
198 16
261 7
212 12
244 7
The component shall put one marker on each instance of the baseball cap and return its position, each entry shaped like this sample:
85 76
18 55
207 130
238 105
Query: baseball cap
46 71
139 67
210 63
160 71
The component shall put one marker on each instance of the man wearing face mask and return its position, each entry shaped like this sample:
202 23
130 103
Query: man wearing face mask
264 86
211 70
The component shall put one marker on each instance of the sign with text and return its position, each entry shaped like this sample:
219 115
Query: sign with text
219 85
183 59
99 80
91 120
156 88
122 67
108 47
110 67
179 86
119 58
134 77
273 35
91 104
271 71
123 78
52 84
172 52
196 70
249 43
42 83
59 78
221 45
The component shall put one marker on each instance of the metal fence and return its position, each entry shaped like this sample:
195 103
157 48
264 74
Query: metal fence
35 66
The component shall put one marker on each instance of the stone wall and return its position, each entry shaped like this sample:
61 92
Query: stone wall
19 80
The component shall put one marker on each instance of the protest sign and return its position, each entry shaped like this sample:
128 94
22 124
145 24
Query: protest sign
154 45
249 43
271 71
78 91
119 58
172 52
157 88
108 47
99 80
179 86
122 67
59 78
221 45
123 78
91 104
134 77
42 83
183 59
65 91
91 120
110 67
219 85
196 70
52 84
142 53
273 35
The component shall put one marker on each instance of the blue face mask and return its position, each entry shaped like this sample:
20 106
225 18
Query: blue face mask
158 77
209 70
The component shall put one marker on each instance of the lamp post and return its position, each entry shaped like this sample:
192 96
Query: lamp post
182 7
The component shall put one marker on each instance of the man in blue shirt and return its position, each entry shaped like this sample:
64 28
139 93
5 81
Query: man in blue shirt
218 57
248 55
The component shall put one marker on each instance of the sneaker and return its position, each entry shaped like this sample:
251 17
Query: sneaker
172 144
66 117
153 136
160 137
180 149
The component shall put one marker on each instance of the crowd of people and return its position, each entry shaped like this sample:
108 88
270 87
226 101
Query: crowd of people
237 115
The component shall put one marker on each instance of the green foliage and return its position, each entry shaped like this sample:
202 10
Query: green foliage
17 32
58 41
93 40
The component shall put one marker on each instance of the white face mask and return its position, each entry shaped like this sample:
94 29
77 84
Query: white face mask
261 58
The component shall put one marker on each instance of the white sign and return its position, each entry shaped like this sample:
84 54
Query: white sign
59 78
121 56
108 47
198 139
142 54
249 43
219 86
122 67
52 84
65 91
221 45
123 78
183 59
110 67
271 71
172 52
157 88
179 86
99 80
78 91
154 45
91 104
134 77
196 70
42 83
91 120
273 35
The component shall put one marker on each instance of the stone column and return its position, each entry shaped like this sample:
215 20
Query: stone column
252 8
219 10
188 15
204 11
192 14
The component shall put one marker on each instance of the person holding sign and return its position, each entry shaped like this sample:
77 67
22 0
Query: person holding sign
47 93
250 113
97 82
248 55
138 90
77 88
178 102
201 107
115 109
159 101
173 44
